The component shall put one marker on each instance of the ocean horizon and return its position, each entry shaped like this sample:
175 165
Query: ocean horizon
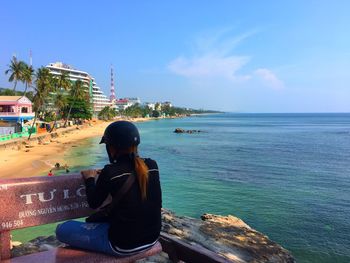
285 174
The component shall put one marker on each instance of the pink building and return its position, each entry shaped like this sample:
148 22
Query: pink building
15 109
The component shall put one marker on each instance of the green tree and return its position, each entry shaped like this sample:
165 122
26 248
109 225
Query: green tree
10 92
167 110
134 111
16 70
77 92
107 113
81 108
48 116
59 102
7 92
147 111
62 82
30 95
155 114
62 85
43 85
28 75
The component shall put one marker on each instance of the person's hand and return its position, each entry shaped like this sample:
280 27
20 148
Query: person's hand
89 173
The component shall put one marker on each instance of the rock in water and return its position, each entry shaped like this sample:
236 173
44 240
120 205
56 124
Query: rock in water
179 130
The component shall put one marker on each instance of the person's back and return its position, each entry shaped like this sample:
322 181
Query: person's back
134 222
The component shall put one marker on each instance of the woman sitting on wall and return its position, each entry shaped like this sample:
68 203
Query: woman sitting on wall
133 221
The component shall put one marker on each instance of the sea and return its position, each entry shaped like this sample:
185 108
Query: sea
286 175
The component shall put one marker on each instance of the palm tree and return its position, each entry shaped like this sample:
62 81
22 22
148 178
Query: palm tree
16 71
43 85
63 82
77 91
28 74
107 113
61 85
60 102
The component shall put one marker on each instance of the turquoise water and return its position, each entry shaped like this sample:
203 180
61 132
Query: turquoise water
287 175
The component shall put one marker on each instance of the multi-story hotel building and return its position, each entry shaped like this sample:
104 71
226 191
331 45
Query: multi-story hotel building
99 100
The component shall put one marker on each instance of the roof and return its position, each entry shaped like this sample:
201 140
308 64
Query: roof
122 101
10 98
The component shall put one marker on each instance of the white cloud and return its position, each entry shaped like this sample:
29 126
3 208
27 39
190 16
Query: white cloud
269 78
218 42
209 65
214 59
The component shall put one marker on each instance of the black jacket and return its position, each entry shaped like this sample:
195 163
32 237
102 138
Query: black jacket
135 222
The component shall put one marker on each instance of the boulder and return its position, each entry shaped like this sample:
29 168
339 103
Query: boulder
179 130
227 236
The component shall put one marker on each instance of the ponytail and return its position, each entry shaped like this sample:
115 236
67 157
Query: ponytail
141 172
142 176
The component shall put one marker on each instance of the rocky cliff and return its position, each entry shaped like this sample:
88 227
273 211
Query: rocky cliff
228 236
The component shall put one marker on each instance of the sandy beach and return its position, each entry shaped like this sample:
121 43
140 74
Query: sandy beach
36 159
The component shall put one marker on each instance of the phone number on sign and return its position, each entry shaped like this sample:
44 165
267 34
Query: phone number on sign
11 224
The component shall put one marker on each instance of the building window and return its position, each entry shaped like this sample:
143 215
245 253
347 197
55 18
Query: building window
24 110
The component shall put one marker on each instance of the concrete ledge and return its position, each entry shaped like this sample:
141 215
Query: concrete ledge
72 255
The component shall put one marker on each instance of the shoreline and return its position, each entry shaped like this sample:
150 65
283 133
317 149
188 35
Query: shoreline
36 157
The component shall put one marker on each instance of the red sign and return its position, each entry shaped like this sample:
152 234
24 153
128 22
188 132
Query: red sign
35 201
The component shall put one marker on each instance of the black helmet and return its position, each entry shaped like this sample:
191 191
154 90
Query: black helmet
122 134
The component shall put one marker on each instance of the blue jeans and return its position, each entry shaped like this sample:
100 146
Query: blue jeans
90 236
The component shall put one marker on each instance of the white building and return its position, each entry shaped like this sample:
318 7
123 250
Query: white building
99 100
150 105
134 100
124 103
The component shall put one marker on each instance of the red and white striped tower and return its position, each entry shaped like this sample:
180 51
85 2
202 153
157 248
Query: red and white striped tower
112 96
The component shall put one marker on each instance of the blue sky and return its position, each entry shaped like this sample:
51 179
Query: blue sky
242 56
